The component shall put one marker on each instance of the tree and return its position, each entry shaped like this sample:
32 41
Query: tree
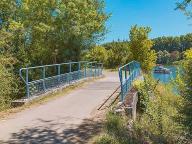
141 47
170 44
98 54
118 54
185 6
49 31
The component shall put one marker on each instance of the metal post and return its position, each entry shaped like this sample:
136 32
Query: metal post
91 70
126 78
101 68
59 73
69 72
27 82
85 67
120 76
95 69
79 70
44 88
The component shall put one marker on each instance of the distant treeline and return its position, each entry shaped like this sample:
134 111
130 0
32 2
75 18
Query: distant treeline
168 49
170 44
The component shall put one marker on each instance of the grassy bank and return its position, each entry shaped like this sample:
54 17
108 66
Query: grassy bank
157 119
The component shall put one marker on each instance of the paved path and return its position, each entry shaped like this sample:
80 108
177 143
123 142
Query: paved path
67 119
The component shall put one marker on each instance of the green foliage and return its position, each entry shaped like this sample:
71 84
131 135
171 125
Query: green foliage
118 54
8 86
185 88
117 131
158 124
170 44
145 92
48 31
98 54
106 139
141 47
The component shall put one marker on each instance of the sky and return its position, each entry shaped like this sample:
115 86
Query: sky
157 14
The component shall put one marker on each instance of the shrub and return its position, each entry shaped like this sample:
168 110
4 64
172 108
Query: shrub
97 53
145 91
158 124
8 86
106 139
118 55
117 131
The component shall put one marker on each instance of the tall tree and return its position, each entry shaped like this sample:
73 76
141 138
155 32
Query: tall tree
141 47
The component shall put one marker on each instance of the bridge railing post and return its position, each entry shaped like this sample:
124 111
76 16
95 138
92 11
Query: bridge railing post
126 79
79 70
85 69
59 73
69 78
95 68
27 82
91 69
44 87
121 82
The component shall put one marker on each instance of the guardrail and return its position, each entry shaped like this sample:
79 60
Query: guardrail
40 79
127 74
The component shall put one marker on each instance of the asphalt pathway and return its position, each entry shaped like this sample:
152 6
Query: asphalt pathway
68 119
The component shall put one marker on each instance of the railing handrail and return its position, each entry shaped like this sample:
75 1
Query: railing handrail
92 68
127 80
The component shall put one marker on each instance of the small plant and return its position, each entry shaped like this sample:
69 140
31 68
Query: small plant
106 139
145 91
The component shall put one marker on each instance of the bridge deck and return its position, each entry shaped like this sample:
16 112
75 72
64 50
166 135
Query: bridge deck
64 120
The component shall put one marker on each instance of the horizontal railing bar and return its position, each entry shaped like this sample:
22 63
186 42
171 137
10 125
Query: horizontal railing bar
54 65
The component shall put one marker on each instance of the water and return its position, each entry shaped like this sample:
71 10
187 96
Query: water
166 78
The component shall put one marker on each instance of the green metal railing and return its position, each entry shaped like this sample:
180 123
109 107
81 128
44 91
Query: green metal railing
127 74
40 79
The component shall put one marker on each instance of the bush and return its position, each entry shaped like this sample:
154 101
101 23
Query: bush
97 53
106 139
8 86
118 56
117 132
145 91
158 124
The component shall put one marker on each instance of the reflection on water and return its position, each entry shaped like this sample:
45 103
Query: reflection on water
166 78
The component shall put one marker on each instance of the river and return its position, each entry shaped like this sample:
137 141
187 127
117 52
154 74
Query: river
166 78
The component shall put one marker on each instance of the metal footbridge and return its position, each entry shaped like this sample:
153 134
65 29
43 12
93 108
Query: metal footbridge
40 79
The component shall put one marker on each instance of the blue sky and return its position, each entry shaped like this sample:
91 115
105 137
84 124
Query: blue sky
158 14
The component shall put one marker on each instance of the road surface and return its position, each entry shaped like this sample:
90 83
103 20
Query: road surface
68 119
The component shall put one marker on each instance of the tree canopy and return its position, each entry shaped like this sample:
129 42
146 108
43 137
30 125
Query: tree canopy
141 47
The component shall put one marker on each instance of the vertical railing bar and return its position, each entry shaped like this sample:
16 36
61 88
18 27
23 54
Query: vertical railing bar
59 73
79 70
126 79
70 75
44 87
27 82
85 69
91 69
95 69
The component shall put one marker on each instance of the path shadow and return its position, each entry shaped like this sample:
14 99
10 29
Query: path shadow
48 134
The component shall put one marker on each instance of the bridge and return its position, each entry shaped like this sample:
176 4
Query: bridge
73 117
